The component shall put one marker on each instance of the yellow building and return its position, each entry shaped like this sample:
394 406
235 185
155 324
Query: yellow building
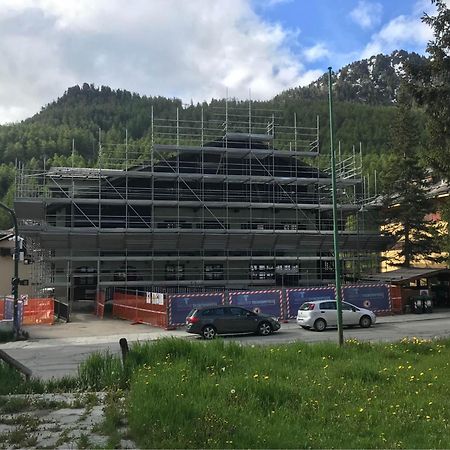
7 265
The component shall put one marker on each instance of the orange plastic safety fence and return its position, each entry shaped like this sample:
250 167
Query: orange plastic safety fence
100 304
38 311
136 309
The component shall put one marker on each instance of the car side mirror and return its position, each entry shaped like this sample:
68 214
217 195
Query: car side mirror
354 309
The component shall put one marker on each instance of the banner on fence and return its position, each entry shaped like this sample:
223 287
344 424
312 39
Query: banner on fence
180 305
265 302
375 297
9 308
296 297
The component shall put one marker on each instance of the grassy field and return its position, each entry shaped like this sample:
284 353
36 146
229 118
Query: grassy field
183 394
191 395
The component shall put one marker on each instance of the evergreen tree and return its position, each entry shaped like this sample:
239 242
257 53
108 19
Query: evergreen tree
407 206
430 86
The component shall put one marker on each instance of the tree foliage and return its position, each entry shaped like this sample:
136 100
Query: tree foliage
430 86
407 205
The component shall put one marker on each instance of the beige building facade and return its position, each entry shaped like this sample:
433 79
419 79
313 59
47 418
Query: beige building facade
7 266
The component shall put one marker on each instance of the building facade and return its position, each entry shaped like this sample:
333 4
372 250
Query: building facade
7 266
232 202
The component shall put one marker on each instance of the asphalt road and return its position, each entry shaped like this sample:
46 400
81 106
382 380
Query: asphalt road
53 357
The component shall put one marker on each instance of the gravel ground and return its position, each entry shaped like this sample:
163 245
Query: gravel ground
57 421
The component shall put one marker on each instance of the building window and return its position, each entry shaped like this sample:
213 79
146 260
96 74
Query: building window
174 272
6 251
213 271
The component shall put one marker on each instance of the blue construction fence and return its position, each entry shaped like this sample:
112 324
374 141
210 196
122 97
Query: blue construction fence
7 310
280 303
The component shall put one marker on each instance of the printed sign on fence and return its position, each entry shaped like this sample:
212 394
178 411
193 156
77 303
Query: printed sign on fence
157 298
296 297
265 302
154 298
375 297
9 308
181 304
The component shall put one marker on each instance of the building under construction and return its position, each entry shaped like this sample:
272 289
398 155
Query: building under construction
234 201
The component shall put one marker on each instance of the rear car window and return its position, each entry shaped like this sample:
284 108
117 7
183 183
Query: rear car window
192 312
305 307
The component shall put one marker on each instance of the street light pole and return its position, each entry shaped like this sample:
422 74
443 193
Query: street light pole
15 280
337 264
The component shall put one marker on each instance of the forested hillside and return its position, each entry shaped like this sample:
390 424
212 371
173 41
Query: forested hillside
365 93
373 81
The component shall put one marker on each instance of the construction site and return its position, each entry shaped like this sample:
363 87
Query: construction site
231 201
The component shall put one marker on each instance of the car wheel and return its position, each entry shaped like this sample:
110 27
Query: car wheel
209 332
320 325
264 329
365 322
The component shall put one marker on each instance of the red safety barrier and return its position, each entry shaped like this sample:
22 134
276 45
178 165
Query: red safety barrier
38 311
100 304
138 309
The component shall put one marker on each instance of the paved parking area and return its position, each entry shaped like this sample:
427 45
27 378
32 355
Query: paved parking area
57 350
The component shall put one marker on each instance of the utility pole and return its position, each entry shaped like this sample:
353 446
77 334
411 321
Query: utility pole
15 279
337 264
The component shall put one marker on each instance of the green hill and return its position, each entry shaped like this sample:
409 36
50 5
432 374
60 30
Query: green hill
365 94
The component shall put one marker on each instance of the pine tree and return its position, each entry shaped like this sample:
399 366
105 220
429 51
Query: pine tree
407 204
430 86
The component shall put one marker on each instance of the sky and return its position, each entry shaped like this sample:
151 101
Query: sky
191 49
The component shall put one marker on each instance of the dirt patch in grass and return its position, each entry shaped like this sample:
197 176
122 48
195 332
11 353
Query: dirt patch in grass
78 420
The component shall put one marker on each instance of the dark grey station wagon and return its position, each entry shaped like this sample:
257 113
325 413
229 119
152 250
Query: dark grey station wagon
213 320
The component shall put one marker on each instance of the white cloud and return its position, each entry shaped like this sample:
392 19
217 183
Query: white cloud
395 34
404 31
367 14
271 3
316 52
193 50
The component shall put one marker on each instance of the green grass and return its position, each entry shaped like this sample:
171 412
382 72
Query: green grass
13 382
101 370
192 395
184 394
6 336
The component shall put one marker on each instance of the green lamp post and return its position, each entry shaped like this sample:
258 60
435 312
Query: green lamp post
337 264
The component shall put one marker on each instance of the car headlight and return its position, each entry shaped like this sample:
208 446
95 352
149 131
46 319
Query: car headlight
275 319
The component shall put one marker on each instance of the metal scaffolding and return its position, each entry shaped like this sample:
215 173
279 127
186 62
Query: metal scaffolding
230 200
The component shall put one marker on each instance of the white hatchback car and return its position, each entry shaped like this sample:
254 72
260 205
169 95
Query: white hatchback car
322 314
